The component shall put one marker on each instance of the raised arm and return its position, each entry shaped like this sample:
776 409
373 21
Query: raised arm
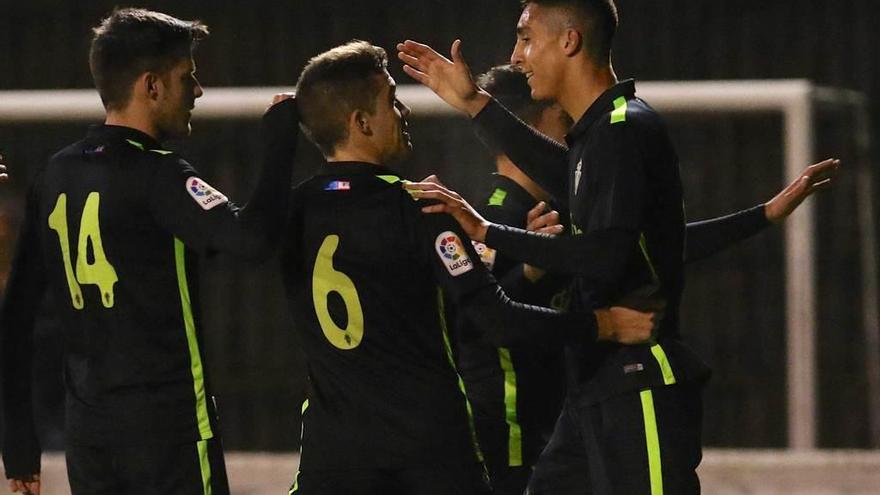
203 218
541 158
708 237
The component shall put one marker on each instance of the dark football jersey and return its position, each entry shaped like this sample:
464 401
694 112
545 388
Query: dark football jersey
516 392
112 227
367 276
365 270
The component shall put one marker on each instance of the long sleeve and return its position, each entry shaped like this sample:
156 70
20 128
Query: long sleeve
541 158
478 296
203 218
24 294
708 237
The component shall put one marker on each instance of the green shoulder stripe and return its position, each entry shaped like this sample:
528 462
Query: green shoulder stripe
391 179
619 113
498 197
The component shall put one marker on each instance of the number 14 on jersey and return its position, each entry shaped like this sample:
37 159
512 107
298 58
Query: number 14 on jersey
99 272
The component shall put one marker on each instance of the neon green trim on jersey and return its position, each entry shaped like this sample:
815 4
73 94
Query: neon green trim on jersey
514 435
652 441
205 464
498 197
198 374
391 179
295 486
441 307
665 367
135 144
619 113
575 230
643 245
162 152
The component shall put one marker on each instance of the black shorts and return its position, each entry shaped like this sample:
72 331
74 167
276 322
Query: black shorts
467 479
194 468
639 443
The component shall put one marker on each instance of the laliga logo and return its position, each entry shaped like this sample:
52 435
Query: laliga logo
449 248
200 188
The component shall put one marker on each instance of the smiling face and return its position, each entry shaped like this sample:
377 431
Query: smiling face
388 122
539 50
177 99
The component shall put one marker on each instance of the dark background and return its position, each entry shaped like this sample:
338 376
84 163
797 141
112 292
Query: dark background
734 305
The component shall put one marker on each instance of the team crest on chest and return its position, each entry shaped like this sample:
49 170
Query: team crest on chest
452 253
206 196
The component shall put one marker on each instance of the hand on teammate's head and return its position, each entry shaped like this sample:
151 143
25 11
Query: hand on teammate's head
278 98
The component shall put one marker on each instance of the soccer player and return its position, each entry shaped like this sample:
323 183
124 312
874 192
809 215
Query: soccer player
517 393
631 421
113 229
367 275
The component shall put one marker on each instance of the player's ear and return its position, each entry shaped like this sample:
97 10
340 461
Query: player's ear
360 120
571 41
148 85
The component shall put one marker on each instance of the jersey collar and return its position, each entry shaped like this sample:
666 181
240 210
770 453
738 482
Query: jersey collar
600 107
353 168
120 133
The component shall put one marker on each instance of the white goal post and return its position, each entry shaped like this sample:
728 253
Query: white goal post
795 100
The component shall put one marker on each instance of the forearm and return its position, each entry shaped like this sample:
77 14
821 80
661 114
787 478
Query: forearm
255 230
708 237
21 448
507 323
545 161
599 258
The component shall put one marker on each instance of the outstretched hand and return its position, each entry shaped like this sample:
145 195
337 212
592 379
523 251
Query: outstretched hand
816 177
474 225
451 80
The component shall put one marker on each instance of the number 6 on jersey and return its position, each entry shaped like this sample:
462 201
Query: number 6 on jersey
327 279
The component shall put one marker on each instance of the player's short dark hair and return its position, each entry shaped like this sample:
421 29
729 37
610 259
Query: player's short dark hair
596 19
333 85
509 86
130 42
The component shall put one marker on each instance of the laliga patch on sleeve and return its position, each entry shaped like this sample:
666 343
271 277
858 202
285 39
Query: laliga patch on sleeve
206 196
452 254
487 254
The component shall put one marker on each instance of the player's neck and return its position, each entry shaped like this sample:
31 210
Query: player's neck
134 120
506 168
582 87
347 154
